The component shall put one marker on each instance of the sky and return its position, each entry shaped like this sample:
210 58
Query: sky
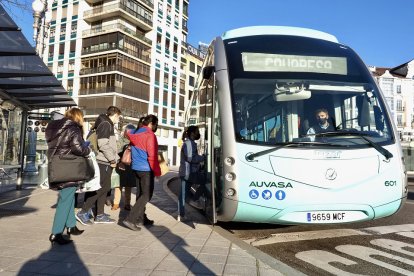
380 31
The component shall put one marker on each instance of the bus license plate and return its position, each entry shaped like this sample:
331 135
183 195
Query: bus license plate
331 216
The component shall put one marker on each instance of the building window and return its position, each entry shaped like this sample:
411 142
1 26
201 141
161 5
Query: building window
399 105
192 66
191 81
61 48
399 89
52 31
399 120
74 27
60 67
387 86
63 30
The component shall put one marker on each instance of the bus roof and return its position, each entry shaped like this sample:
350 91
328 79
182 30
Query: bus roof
278 30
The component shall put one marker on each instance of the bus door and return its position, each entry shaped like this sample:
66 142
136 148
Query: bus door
209 144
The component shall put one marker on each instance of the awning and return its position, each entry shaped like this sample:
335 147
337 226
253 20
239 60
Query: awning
24 78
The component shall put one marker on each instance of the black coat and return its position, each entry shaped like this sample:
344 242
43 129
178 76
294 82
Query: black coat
65 136
71 141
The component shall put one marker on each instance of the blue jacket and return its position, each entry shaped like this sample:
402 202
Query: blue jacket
144 150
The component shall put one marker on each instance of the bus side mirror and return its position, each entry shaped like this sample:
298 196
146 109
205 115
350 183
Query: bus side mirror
207 72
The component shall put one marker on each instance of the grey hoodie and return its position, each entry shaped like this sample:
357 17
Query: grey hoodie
107 146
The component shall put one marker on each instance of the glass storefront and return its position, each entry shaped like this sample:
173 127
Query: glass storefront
10 121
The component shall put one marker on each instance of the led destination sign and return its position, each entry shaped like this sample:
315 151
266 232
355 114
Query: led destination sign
258 62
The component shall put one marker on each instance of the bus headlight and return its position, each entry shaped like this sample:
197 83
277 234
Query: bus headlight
230 176
230 192
229 161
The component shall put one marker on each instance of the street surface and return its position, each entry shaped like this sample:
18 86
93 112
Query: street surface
379 247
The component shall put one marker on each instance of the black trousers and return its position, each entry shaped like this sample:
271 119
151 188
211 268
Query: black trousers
145 188
98 198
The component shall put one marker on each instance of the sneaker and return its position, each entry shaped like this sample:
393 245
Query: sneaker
90 213
103 219
83 217
131 226
196 204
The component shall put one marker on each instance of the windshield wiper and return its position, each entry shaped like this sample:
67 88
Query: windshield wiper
379 148
252 156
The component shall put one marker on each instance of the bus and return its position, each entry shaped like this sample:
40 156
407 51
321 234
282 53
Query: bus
256 98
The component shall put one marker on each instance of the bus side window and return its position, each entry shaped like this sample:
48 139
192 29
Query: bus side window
379 118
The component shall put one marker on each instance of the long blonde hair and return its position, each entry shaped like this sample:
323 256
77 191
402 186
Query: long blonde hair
76 115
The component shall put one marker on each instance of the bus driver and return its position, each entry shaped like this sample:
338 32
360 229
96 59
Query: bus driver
322 116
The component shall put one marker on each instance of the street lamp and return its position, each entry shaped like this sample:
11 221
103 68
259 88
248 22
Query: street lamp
42 18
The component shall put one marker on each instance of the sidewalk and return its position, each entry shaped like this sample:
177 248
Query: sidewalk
167 248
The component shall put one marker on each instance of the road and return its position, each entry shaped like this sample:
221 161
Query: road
379 247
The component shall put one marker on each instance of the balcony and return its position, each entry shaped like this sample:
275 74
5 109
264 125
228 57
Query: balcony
118 10
113 46
148 3
111 68
116 28
92 91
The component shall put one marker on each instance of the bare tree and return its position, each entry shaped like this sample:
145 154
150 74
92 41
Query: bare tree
14 6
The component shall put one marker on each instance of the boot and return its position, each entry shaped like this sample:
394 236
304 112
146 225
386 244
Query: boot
59 239
74 231
115 207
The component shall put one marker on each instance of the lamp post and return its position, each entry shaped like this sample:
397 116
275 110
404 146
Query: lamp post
42 18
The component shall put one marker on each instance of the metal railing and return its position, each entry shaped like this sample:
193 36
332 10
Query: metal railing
108 8
119 68
113 28
113 46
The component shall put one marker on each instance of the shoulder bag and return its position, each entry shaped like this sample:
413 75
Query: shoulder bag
69 167
126 156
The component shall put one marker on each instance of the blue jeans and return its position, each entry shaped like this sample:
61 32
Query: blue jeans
183 195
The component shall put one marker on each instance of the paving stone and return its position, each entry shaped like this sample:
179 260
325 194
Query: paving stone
240 270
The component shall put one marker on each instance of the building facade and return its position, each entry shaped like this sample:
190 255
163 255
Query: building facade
127 53
397 84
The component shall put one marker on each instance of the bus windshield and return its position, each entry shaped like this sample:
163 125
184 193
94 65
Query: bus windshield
291 89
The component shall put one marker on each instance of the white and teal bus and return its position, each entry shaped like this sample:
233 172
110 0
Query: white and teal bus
255 102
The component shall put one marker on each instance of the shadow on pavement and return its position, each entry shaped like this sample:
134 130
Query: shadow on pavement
59 260
12 201
176 244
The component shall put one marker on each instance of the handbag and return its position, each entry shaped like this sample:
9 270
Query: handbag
69 167
126 156
163 164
